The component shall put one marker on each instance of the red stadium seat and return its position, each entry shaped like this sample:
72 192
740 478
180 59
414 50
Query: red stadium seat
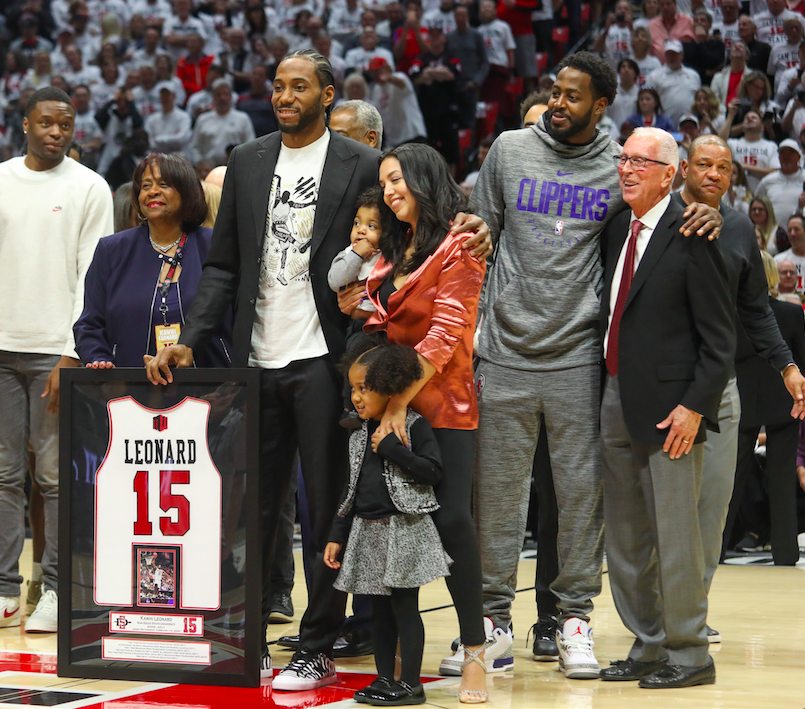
542 62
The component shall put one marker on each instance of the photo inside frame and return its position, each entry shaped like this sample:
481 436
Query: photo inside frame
157 570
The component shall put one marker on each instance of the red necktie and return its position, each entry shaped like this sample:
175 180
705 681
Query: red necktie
623 292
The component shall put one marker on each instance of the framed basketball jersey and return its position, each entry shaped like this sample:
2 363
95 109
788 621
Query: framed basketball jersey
158 523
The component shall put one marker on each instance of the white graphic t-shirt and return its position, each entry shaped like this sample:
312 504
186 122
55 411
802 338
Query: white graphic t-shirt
286 322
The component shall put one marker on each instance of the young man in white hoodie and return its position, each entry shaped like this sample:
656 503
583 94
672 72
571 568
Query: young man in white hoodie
54 210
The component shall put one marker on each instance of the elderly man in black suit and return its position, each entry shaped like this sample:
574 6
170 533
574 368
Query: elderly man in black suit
669 340
286 210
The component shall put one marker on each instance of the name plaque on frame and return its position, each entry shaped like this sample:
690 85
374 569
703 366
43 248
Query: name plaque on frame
159 550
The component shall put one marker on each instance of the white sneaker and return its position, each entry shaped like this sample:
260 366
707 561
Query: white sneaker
576 658
9 611
266 670
306 671
498 656
45 619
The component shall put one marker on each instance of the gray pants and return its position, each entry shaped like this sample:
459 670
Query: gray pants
653 543
23 418
511 403
718 478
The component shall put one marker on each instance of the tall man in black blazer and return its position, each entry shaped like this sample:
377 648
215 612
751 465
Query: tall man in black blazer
286 210
669 338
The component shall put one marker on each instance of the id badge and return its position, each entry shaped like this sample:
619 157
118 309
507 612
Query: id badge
167 335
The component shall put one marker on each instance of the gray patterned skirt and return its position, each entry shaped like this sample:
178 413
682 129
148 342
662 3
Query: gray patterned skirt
401 551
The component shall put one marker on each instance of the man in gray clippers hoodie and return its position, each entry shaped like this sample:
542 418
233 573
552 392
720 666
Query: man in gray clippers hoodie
546 192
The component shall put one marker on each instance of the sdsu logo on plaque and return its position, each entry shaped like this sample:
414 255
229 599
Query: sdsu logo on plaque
158 509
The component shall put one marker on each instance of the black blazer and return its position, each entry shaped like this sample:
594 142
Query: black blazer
677 337
764 398
231 271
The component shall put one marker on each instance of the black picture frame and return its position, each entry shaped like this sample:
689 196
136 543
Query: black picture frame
85 394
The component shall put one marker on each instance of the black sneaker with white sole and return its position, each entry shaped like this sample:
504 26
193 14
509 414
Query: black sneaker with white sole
545 648
306 671
713 636
281 608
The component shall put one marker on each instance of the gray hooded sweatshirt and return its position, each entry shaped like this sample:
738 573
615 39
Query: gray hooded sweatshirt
546 204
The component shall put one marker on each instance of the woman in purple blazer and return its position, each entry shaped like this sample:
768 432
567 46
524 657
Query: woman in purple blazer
142 281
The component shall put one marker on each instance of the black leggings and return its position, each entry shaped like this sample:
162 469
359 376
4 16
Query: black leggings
453 519
397 616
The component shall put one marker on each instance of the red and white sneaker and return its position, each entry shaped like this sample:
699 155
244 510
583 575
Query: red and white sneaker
576 658
9 611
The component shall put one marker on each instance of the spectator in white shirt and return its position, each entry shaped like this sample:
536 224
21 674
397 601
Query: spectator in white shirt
345 20
146 96
358 59
794 116
676 84
169 130
179 26
786 54
201 101
625 101
77 72
787 81
728 26
796 254
769 24
393 95
641 43
757 155
784 186
221 128
154 12
150 48
615 40
166 71
87 133
442 18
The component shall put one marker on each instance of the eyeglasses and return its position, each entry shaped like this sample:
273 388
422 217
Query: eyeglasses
638 163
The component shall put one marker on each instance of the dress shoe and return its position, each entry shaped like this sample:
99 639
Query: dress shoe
676 676
353 642
289 641
630 669
381 684
396 695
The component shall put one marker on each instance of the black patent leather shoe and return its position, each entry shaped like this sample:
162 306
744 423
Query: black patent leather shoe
379 685
676 676
397 695
629 669
353 642
291 642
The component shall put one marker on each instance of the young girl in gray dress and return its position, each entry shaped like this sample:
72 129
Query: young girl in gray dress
393 546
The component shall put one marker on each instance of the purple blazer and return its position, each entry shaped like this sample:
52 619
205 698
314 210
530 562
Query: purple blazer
120 308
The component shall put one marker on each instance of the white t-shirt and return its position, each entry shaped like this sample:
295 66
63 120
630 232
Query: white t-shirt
798 122
50 224
618 45
436 19
498 39
169 132
624 105
146 100
676 89
399 109
286 321
770 27
173 25
758 153
86 128
783 191
359 58
647 65
783 56
213 134
799 262
729 33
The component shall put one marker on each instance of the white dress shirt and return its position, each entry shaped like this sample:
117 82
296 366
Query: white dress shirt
649 221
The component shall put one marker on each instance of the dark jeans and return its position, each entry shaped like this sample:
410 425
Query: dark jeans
301 404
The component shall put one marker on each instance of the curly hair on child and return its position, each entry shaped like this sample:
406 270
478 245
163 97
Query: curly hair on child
370 197
390 369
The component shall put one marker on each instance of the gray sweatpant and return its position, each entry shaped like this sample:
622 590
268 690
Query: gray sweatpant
511 403
23 418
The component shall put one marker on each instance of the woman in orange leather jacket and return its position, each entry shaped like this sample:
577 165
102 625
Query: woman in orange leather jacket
425 289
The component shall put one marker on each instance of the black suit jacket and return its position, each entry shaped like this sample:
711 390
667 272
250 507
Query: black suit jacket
764 398
677 337
231 271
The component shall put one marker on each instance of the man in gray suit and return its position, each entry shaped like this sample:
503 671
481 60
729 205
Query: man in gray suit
669 340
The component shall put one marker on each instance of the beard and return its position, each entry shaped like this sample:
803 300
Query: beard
306 118
575 125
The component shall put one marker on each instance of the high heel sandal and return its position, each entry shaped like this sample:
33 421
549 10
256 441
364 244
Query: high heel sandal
473 696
